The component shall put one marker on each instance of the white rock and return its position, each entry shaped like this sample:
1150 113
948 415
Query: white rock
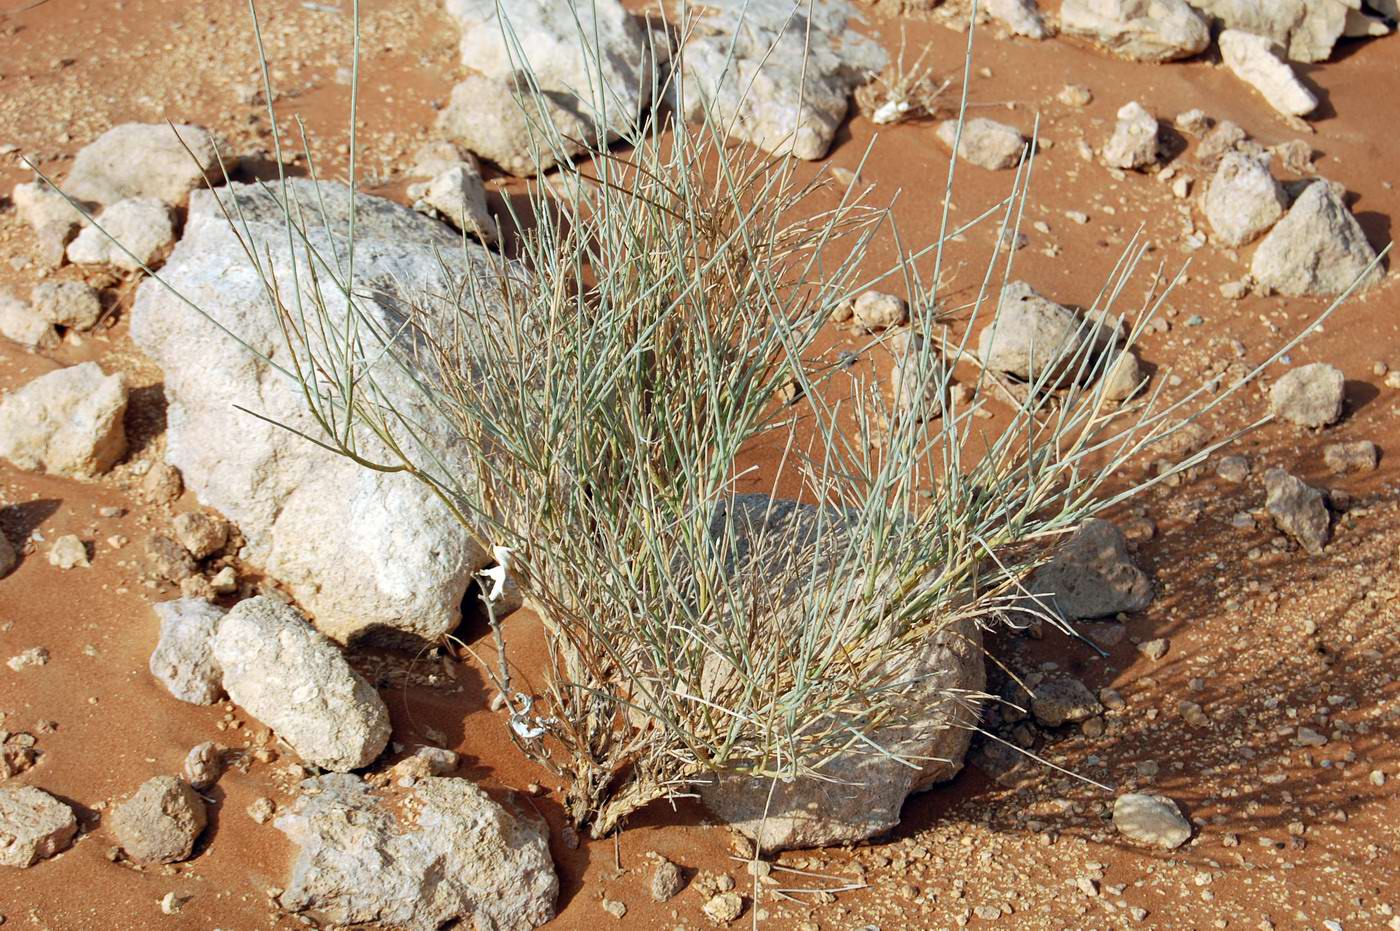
183 660
1310 395
1133 144
397 560
575 52
1143 30
1031 336
1253 60
144 160
867 791
875 310
132 233
50 216
985 143
1318 248
1151 821
67 303
1308 29
775 75
201 534
33 826
20 324
449 856
69 552
68 422
295 681
1020 16
1242 200
458 196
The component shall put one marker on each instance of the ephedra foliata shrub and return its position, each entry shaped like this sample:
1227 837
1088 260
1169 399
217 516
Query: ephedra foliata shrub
650 348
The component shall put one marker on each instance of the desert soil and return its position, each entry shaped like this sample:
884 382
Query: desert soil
1263 637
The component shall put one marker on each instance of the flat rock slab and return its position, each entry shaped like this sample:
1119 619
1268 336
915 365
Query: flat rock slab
295 681
33 826
441 853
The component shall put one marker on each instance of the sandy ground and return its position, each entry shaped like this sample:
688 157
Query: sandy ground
1263 637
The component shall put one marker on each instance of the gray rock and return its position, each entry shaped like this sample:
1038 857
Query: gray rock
918 378
985 143
1124 376
169 560
1150 821
67 303
52 218
1233 469
1242 200
203 766
295 681
8 557
183 660
133 233
1142 30
593 63
458 196
1020 16
777 76
161 822
1308 29
1318 248
865 791
874 310
1341 458
1133 144
144 160
398 562
1092 575
1298 509
1254 61
19 323
1031 336
33 826
1309 395
447 855
1063 700
667 880
68 422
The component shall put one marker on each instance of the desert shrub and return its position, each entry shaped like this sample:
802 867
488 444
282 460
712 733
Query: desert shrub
612 381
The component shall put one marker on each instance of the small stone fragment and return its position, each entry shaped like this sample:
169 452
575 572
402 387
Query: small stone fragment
1151 820
68 422
1092 575
985 143
203 766
69 552
147 160
32 658
458 196
724 908
67 303
52 218
20 323
1298 509
201 534
33 826
1354 456
1063 700
1256 61
874 310
1141 30
1317 249
1030 337
128 235
1153 649
1133 144
160 823
262 810
1243 200
169 560
667 880
183 660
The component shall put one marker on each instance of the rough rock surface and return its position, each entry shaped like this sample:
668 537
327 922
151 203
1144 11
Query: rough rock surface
1092 575
202 535
1143 30
779 79
1063 700
452 855
33 826
867 790
1309 395
67 303
183 660
1123 377
144 160
69 552
1133 144
1150 820
1306 28
52 218
19 323
161 822
1318 248
985 143
1031 336
68 422
1341 458
458 196
483 114
203 766
1020 16
295 681
875 310
398 563
133 233
1253 60
1242 200
1298 509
